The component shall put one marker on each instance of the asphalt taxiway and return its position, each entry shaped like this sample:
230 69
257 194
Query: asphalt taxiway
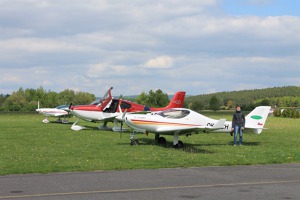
279 181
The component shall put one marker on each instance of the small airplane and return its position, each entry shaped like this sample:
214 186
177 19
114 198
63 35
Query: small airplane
109 108
181 121
59 111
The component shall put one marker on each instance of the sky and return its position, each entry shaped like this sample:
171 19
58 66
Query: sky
200 47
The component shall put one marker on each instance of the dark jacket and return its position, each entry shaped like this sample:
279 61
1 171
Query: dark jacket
238 118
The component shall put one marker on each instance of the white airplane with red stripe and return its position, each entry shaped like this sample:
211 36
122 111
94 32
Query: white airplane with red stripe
59 111
181 121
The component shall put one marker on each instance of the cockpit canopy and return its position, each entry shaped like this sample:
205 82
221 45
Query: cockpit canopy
174 113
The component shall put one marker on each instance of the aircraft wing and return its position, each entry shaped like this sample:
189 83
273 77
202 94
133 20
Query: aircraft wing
60 114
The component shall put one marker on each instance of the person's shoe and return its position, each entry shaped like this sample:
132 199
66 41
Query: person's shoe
240 145
234 145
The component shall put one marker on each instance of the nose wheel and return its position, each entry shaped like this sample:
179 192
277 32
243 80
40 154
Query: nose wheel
133 142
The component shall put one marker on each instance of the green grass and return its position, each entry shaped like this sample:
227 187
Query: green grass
29 146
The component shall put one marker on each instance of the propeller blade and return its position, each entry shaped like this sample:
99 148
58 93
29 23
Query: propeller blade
121 130
123 116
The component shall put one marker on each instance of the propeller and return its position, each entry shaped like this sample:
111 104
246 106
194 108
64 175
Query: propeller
121 117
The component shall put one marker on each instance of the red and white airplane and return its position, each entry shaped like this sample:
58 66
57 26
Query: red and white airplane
109 108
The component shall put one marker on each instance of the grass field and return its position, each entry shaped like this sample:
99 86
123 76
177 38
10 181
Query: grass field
29 146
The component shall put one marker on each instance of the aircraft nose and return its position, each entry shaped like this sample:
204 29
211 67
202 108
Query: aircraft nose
128 120
73 112
120 118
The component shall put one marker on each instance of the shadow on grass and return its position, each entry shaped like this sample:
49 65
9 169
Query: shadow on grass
57 122
188 148
248 143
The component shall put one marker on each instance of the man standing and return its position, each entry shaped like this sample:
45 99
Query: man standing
238 125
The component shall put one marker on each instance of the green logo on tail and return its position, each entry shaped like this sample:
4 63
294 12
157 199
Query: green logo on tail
256 117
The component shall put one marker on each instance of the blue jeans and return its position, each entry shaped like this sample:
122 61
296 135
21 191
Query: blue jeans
238 129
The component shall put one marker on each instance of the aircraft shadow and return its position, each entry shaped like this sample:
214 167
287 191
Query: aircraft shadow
188 148
56 122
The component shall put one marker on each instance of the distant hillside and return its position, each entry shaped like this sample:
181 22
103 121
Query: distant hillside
287 96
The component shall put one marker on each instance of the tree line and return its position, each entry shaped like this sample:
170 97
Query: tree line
27 100
277 97
287 96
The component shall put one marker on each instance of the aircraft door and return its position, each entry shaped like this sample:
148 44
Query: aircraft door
113 106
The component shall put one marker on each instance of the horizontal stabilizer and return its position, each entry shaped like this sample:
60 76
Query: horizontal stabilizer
219 124
216 126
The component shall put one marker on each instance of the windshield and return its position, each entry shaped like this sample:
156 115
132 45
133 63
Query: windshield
105 99
96 102
62 106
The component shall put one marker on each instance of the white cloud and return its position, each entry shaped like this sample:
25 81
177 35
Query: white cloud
160 62
39 45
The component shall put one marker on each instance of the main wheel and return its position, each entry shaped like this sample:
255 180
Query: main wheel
134 142
162 140
179 145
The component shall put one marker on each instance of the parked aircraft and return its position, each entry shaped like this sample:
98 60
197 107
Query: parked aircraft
181 121
109 108
59 111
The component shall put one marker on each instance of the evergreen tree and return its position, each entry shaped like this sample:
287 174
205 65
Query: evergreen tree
214 103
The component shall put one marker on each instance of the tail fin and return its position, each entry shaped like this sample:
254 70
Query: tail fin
177 101
256 119
38 108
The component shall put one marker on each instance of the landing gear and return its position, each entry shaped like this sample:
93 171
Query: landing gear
133 142
64 121
46 120
162 141
179 145
104 127
116 128
76 127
